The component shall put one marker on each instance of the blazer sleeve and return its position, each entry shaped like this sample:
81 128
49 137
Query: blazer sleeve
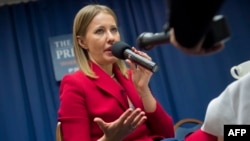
72 112
160 123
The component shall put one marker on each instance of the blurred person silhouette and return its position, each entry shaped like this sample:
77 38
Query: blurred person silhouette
189 21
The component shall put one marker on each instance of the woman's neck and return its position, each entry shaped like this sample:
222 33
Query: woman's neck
107 68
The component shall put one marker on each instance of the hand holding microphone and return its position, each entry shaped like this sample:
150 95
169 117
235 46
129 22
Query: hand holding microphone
124 51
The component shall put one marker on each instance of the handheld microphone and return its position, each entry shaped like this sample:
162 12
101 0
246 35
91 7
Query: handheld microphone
123 51
218 32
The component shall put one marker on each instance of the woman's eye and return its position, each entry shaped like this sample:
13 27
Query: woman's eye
99 31
114 30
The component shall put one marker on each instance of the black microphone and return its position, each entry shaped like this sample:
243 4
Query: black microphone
123 51
148 40
218 32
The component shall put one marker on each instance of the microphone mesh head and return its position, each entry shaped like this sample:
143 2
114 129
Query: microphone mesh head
118 49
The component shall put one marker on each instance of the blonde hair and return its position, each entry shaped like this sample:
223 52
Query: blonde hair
81 23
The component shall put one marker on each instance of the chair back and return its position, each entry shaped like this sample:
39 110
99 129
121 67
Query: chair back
58 132
185 127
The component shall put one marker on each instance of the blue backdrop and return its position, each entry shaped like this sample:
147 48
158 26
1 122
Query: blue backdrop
28 89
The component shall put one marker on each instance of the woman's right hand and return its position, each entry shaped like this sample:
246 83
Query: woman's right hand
120 128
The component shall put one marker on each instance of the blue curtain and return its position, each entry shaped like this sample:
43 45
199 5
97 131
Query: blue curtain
184 84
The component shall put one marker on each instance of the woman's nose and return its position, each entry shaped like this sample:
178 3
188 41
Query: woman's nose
111 35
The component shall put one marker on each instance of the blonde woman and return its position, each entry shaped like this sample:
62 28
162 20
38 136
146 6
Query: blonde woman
105 100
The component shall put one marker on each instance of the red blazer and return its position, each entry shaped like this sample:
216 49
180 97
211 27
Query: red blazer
83 98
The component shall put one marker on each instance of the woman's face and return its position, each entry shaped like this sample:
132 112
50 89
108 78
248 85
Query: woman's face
102 32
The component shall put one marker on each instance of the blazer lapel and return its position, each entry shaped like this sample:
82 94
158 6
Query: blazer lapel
107 84
130 90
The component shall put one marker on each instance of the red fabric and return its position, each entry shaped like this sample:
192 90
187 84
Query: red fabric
83 98
200 135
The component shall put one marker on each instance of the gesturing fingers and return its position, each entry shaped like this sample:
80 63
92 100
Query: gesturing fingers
125 115
100 123
136 118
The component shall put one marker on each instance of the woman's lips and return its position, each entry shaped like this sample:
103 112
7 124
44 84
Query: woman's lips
108 49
